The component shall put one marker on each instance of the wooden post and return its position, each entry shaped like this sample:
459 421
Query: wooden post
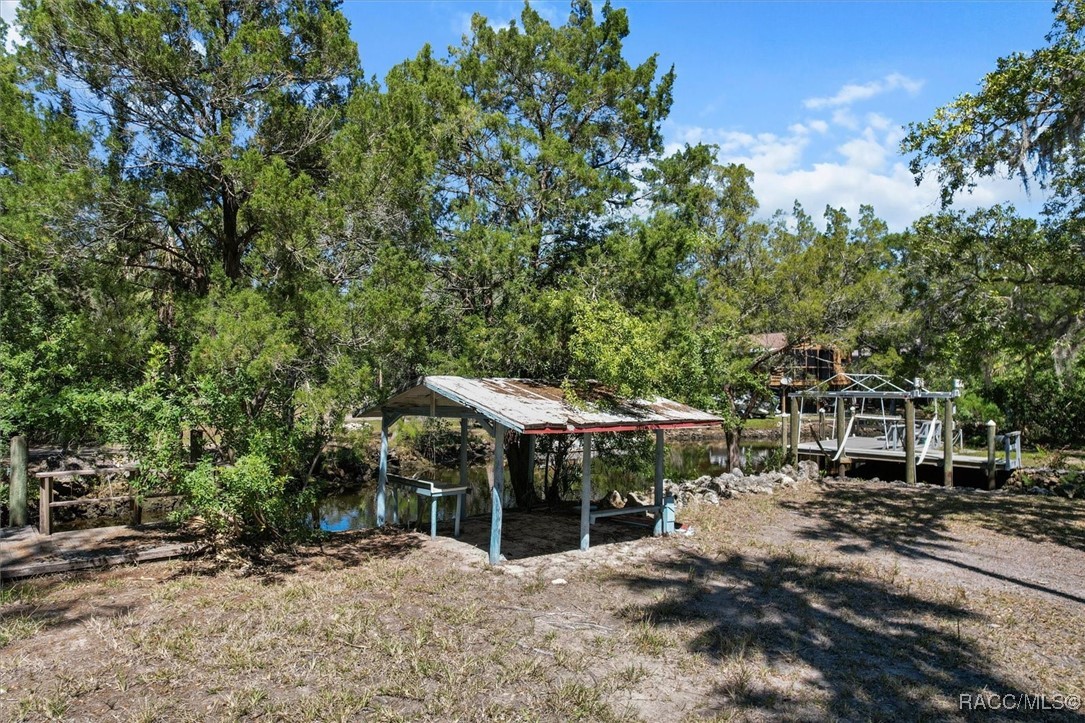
909 441
382 475
45 499
841 422
17 477
821 424
990 454
795 431
585 491
658 528
947 444
497 487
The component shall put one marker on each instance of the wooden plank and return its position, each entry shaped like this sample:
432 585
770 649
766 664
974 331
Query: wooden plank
17 492
164 552
89 500
585 492
496 493
85 472
857 451
595 514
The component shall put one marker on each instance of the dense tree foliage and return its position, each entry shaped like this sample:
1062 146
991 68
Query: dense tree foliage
1001 297
210 221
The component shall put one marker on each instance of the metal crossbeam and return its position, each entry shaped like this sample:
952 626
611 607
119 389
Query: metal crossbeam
871 386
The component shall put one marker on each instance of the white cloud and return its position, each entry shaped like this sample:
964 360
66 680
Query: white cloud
878 121
844 117
819 125
853 92
862 168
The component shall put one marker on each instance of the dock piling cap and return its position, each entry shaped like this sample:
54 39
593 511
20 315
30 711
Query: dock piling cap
990 423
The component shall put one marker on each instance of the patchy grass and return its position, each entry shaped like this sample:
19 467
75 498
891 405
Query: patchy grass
846 602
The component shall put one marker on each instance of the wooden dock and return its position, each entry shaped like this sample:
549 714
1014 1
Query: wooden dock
869 449
24 552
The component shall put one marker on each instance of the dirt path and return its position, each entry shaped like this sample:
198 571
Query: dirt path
975 549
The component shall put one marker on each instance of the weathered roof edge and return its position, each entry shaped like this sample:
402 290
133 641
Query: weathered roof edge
473 407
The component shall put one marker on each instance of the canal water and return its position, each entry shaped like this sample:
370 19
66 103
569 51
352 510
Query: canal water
684 460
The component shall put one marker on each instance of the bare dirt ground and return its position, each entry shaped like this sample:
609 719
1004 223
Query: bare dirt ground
851 601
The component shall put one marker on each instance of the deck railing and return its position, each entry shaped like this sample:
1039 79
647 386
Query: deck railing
47 503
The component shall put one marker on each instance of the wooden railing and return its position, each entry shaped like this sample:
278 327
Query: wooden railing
47 504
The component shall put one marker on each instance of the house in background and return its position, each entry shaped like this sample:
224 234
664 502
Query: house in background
800 366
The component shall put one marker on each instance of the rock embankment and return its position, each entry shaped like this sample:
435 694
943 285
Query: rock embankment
1047 481
711 490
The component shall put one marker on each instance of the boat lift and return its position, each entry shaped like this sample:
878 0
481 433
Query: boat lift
900 436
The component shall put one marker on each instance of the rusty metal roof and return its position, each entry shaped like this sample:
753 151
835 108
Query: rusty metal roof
536 407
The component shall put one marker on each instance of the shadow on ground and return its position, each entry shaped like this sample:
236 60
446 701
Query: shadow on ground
811 641
916 524
526 534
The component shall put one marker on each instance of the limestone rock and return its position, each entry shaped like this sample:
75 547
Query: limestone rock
615 501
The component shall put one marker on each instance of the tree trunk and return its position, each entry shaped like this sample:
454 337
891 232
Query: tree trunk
523 486
560 448
734 448
231 243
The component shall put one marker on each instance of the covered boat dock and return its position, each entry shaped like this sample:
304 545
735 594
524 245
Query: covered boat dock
532 408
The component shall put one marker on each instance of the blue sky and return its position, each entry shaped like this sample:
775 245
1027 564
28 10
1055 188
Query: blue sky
811 95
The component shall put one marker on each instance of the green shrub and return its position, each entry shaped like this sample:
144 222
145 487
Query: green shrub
246 500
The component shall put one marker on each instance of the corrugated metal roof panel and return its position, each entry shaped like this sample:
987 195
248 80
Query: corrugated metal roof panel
536 407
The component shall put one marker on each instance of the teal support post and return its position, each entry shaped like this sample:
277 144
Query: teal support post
585 492
382 477
658 527
464 441
496 492
463 452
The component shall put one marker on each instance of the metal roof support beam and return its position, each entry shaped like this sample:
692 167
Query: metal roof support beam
657 529
585 492
437 412
497 486
382 477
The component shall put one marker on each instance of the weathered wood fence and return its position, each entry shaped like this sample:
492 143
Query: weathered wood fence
47 502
